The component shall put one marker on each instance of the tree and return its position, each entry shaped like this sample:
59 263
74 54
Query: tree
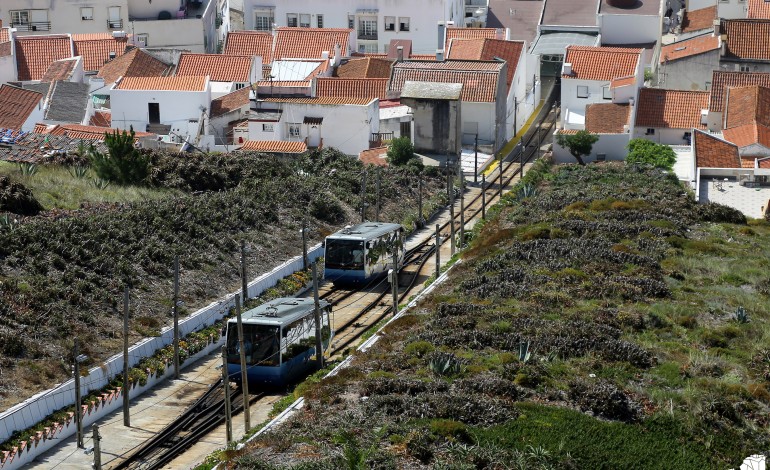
578 144
400 151
123 163
647 151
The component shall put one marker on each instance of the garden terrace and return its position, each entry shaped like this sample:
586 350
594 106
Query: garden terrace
601 319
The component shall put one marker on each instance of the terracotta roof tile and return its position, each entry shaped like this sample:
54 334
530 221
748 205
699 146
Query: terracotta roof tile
250 43
134 63
101 119
352 87
747 39
689 47
479 79
607 118
96 48
712 152
322 100
394 44
60 70
5 49
5 35
697 20
622 81
722 80
40 128
16 104
488 49
230 102
274 146
77 131
162 83
285 83
367 67
672 109
375 156
309 43
747 162
219 67
34 54
746 105
422 57
759 9
601 63
469 33
748 134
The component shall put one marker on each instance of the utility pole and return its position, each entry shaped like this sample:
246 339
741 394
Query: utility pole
483 197
476 159
304 244
501 175
228 405
452 229
419 200
97 448
244 281
462 217
244 370
318 340
175 309
363 198
438 251
126 416
78 399
521 160
394 279
377 210
448 179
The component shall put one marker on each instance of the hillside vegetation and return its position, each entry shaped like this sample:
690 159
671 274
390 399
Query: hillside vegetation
62 272
600 319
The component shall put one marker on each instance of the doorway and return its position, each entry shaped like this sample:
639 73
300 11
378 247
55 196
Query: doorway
314 135
154 110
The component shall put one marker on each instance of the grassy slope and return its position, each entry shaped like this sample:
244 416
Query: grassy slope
626 291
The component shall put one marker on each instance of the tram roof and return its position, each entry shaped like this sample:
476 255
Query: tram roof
365 231
281 311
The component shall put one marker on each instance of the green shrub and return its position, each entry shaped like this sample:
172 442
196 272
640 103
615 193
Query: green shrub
450 429
418 348
400 151
648 152
123 163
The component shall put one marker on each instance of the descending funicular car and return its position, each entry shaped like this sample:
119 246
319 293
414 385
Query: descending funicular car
362 253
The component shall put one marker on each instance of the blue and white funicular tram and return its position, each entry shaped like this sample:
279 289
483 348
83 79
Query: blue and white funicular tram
362 253
279 341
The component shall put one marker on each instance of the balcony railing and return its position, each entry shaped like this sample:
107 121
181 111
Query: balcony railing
368 36
32 26
115 24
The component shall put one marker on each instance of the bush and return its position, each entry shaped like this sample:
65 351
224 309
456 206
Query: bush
648 152
17 198
123 163
400 151
604 399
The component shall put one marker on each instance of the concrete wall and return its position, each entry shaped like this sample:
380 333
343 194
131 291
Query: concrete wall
130 107
65 16
732 9
7 68
754 66
37 408
187 34
34 117
570 100
665 136
437 125
689 73
612 145
630 29
479 116
145 9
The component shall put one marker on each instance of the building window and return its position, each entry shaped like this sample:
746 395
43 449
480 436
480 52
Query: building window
708 86
367 48
650 131
291 20
367 29
403 23
263 21
319 21
745 68
19 17
87 14
304 21
582 92
268 127
293 129
239 86
601 157
351 22
606 93
142 40
390 23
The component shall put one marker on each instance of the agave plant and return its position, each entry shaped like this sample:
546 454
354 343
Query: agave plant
524 353
78 171
445 364
28 169
741 316
526 191
100 183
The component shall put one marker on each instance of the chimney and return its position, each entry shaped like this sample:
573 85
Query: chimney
507 34
717 22
439 55
337 55
400 50
722 45
441 34
325 55
566 68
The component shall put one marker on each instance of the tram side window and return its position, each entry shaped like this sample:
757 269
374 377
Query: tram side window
299 337
260 342
344 254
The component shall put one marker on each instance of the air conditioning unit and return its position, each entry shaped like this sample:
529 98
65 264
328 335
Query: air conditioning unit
704 116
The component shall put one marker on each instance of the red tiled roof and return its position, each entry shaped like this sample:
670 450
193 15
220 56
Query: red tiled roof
219 67
59 70
711 152
748 134
134 63
96 48
230 102
488 49
622 81
5 49
101 119
77 131
607 118
250 43
34 54
375 156
672 109
746 105
16 104
747 39
689 47
468 33
322 100
352 87
479 79
394 44
422 57
367 67
697 20
601 63
759 9
309 43
40 128
274 146
747 162
722 80
5 35
162 83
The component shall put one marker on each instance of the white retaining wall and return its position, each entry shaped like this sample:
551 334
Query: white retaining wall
37 408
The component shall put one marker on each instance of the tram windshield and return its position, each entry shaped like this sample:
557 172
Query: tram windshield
260 342
344 254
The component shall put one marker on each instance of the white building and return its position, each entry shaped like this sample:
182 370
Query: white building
638 23
376 22
226 72
175 106
7 56
669 116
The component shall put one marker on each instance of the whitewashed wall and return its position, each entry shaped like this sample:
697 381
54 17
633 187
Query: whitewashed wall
612 145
